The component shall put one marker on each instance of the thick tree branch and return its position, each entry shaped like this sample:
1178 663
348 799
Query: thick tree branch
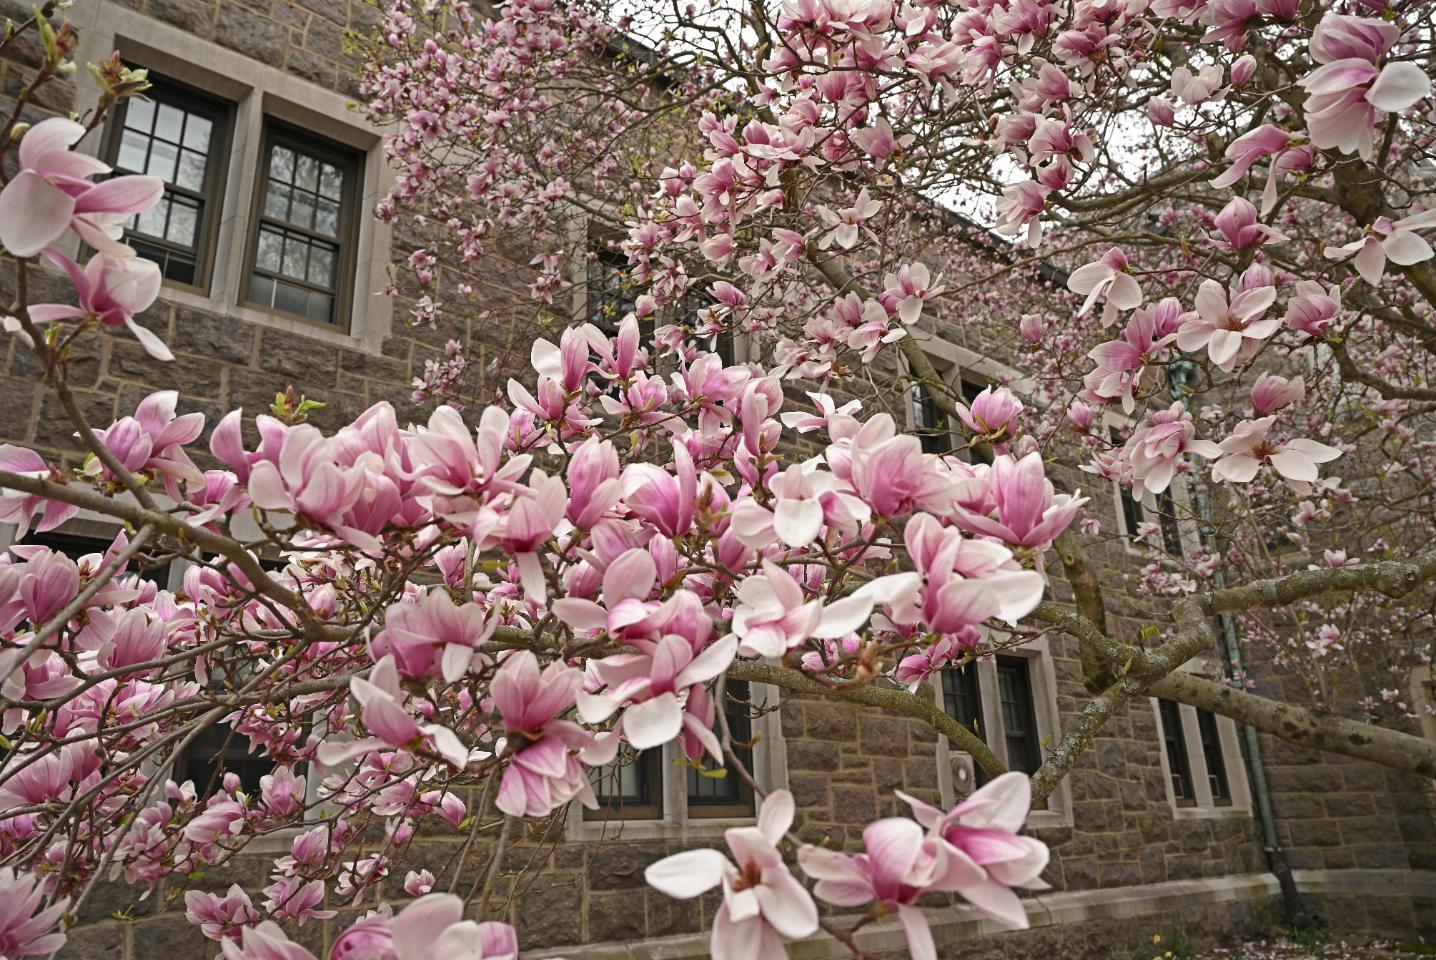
886 698
1302 726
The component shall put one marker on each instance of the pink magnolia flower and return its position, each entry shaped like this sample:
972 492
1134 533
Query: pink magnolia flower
846 223
1385 239
1198 86
772 617
543 772
112 290
20 508
1109 279
593 484
1022 205
889 472
385 716
993 414
1346 93
133 638
965 581
1249 447
1271 393
1228 329
899 865
432 636
654 685
761 898
1311 309
1238 229
26 924
878 141
52 193
433 928
1264 141
661 498
1159 443
1120 363
984 828
915 668
219 917
905 291
263 941
1024 510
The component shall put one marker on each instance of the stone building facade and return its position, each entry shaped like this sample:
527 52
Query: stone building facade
274 271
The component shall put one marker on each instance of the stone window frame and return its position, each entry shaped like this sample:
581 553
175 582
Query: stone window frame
955 768
1204 808
259 93
770 770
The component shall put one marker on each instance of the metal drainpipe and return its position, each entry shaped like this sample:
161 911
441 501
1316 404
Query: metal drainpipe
1178 373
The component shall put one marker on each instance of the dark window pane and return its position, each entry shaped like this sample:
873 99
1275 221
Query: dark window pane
261 290
1212 754
1019 716
321 307
1171 531
1174 739
1132 513
191 170
197 131
219 750
281 165
930 421
163 157
611 296
631 787
276 201
730 794
169 124
326 218
290 299
271 250
140 115
184 222
134 147
962 698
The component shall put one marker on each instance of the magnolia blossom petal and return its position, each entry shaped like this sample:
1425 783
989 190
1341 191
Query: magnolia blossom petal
1400 85
34 213
687 874
653 722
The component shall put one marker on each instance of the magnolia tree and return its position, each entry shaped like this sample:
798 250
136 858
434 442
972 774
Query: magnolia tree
454 624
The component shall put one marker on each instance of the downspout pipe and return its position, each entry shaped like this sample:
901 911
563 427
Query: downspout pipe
1297 916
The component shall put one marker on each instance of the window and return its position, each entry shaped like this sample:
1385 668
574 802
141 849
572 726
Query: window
217 750
610 294
302 246
1174 741
78 546
1200 761
631 788
1011 729
182 137
929 421
658 793
728 795
1215 762
1019 719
